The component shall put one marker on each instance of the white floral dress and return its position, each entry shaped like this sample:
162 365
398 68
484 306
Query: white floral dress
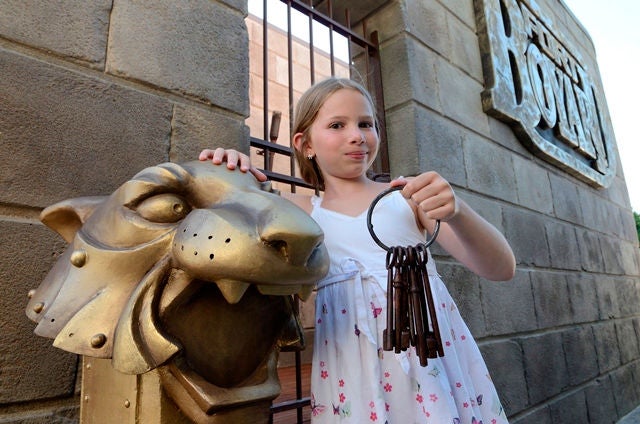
353 379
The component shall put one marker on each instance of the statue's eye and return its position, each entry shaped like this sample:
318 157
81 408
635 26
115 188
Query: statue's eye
163 208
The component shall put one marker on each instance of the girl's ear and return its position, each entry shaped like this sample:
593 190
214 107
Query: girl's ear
299 142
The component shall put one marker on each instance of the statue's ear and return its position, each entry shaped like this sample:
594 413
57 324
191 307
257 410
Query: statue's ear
68 216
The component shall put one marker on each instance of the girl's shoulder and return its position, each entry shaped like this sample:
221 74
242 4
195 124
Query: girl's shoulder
303 201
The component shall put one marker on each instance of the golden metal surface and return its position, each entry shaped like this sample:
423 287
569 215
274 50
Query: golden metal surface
190 269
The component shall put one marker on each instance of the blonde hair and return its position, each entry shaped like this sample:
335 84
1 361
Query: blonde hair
305 114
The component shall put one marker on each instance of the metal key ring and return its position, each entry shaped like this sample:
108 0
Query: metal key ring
429 241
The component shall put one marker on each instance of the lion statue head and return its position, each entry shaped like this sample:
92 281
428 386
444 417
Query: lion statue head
190 269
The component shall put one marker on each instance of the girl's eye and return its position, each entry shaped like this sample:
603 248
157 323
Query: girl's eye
163 208
366 124
335 125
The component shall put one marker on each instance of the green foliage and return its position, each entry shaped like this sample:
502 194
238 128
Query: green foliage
637 217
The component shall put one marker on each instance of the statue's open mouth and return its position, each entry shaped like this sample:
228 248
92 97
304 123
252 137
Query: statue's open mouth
236 321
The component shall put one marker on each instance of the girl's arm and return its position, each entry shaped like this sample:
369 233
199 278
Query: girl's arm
467 236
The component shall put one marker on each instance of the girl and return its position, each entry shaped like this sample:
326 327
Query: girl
335 138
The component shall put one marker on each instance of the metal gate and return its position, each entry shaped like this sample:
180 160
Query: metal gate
362 64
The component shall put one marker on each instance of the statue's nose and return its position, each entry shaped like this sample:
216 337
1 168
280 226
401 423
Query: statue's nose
289 231
294 241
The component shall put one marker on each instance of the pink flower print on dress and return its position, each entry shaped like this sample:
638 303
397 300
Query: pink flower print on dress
376 310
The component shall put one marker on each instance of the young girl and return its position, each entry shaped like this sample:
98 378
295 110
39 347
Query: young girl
354 380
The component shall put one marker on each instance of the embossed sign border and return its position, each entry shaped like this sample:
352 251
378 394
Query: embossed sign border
536 82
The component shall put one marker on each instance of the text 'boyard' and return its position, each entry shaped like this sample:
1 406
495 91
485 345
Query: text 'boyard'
537 82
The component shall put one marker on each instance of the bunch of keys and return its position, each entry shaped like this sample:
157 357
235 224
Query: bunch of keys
411 312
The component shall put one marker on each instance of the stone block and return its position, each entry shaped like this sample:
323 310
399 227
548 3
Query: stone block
627 341
440 145
401 126
570 409
546 369
606 342
460 97
509 307
31 367
426 20
592 207
540 415
489 168
504 135
68 134
624 390
487 208
590 254
505 363
629 231
629 290
553 307
581 355
464 53
532 183
563 246
608 301
527 234
389 21
52 415
196 128
194 48
420 140
583 297
464 287
613 255
566 202
413 75
75 29
600 402
463 10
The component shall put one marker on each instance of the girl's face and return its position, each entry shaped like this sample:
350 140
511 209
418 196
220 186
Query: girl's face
343 136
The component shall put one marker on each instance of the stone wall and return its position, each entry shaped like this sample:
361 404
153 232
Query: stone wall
561 339
92 92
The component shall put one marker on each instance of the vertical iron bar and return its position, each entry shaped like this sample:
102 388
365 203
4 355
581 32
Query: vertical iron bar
292 160
311 53
265 82
331 58
381 164
347 18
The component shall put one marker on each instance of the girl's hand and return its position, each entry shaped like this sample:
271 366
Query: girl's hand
233 159
432 195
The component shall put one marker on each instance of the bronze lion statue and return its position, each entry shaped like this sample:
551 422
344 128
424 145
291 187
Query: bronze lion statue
189 270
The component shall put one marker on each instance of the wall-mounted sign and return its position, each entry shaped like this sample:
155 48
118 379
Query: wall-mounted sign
536 82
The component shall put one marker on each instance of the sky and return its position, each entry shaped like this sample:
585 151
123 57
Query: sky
614 27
